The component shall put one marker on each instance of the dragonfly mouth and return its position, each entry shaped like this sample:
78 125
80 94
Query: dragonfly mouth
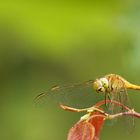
99 90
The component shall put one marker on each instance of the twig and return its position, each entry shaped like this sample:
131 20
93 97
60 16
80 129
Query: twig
90 109
112 102
128 113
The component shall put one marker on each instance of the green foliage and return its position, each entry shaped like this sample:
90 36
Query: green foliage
45 43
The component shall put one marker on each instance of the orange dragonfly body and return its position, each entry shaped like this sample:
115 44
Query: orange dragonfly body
113 83
114 87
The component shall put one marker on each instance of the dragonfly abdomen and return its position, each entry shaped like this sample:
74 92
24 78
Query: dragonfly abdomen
132 86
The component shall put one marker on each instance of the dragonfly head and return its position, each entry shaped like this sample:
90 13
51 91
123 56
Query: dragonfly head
101 85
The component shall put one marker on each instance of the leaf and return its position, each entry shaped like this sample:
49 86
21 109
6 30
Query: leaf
81 131
97 122
88 129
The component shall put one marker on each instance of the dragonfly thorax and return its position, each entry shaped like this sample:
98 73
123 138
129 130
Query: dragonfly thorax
101 85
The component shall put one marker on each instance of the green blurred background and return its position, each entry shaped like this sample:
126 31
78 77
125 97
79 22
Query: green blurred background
44 43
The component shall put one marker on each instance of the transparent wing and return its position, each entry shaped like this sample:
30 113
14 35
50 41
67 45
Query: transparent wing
119 96
77 95
122 97
128 120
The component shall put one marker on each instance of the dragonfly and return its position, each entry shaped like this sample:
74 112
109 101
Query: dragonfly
115 88
112 86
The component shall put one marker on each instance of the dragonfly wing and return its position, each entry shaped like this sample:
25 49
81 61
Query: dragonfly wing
122 97
111 107
119 96
128 120
78 95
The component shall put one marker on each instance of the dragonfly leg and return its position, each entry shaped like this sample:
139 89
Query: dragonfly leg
108 95
106 99
120 99
111 105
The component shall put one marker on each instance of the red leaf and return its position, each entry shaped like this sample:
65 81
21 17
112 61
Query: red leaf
97 122
88 129
81 131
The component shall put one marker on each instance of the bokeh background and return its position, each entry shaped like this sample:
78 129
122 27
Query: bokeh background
44 43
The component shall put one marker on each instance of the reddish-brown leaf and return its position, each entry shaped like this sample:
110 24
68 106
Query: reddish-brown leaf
87 130
97 122
82 131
